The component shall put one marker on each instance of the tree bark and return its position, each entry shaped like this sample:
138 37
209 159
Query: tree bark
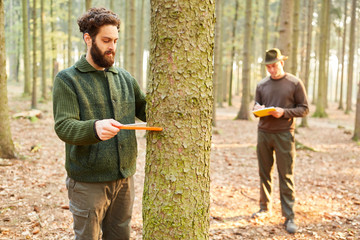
177 182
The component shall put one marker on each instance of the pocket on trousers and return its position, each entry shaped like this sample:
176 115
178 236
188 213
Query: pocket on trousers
78 211
70 184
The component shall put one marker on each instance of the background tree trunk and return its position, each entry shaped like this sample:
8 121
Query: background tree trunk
327 62
111 5
126 61
43 53
220 82
343 58
34 63
177 182
233 52
265 35
356 136
321 96
245 99
88 4
351 58
132 40
13 52
54 67
140 48
310 12
217 56
6 145
286 30
69 25
27 81
295 38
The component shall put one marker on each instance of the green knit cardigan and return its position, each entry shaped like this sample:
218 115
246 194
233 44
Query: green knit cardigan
82 95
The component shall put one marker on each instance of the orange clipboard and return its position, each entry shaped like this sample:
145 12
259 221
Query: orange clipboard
263 112
139 126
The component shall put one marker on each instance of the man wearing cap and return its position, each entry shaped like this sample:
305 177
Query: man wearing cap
287 94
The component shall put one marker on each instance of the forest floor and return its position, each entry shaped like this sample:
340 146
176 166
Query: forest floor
33 197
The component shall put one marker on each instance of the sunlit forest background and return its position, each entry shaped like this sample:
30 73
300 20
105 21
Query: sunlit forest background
44 35
39 38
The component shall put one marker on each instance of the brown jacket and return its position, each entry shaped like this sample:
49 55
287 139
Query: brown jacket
288 93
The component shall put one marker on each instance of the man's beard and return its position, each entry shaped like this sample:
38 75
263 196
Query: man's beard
102 59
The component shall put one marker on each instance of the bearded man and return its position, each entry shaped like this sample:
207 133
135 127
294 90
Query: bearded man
91 100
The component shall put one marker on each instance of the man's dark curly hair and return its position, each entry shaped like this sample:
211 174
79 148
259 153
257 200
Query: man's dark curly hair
95 18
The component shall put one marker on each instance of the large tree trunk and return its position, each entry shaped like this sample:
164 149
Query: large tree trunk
351 58
245 99
177 182
321 96
6 144
286 30
27 80
34 63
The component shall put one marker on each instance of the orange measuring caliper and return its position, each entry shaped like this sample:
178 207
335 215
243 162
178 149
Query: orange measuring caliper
139 126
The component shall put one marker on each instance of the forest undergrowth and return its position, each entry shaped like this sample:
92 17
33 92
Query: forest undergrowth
33 197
